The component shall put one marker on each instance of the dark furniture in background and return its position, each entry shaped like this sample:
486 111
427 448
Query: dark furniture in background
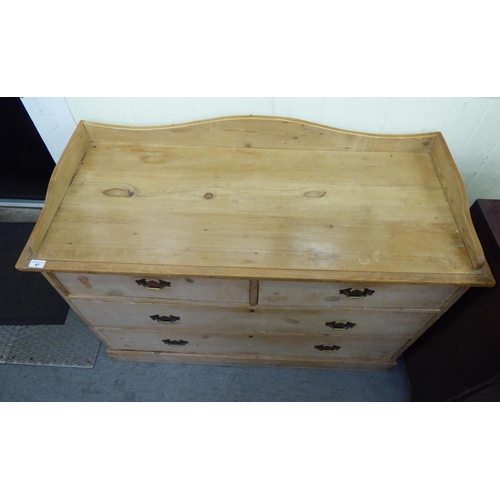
458 358
25 162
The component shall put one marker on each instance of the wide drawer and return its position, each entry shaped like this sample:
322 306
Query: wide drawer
312 294
174 317
186 289
314 346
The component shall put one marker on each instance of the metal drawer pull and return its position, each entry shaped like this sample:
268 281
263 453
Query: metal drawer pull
176 343
152 284
356 294
165 319
329 348
340 326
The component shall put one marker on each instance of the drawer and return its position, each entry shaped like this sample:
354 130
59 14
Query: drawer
308 294
323 347
174 317
186 289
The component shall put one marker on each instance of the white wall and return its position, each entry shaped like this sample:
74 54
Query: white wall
471 125
54 121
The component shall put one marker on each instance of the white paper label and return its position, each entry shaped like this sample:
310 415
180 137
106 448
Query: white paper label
37 263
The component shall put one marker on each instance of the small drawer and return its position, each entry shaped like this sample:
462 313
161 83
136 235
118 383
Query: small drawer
310 294
185 289
174 317
325 347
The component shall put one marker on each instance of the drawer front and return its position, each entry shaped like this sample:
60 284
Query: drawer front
173 318
185 289
306 294
323 347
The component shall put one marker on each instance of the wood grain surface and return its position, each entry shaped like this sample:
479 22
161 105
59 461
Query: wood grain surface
456 194
184 289
208 318
257 209
251 360
331 295
254 344
259 132
60 180
338 205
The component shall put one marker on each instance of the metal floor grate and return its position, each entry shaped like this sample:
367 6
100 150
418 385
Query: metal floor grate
71 344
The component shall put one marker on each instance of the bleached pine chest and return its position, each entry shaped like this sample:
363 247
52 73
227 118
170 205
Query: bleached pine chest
256 240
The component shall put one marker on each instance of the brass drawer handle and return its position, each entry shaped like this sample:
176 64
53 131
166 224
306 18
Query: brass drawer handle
329 348
356 294
340 326
175 343
152 284
165 319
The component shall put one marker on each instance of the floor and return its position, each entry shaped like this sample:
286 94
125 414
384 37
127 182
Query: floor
126 381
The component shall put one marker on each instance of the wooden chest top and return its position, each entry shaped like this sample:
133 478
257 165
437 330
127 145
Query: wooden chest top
258 198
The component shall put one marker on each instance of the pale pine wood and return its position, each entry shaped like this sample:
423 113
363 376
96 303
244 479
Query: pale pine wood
254 344
456 194
52 279
453 299
483 278
259 132
60 180
246 360
288 217
184 289
369 322
317 294
257 213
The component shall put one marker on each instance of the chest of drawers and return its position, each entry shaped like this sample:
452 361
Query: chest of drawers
256 240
